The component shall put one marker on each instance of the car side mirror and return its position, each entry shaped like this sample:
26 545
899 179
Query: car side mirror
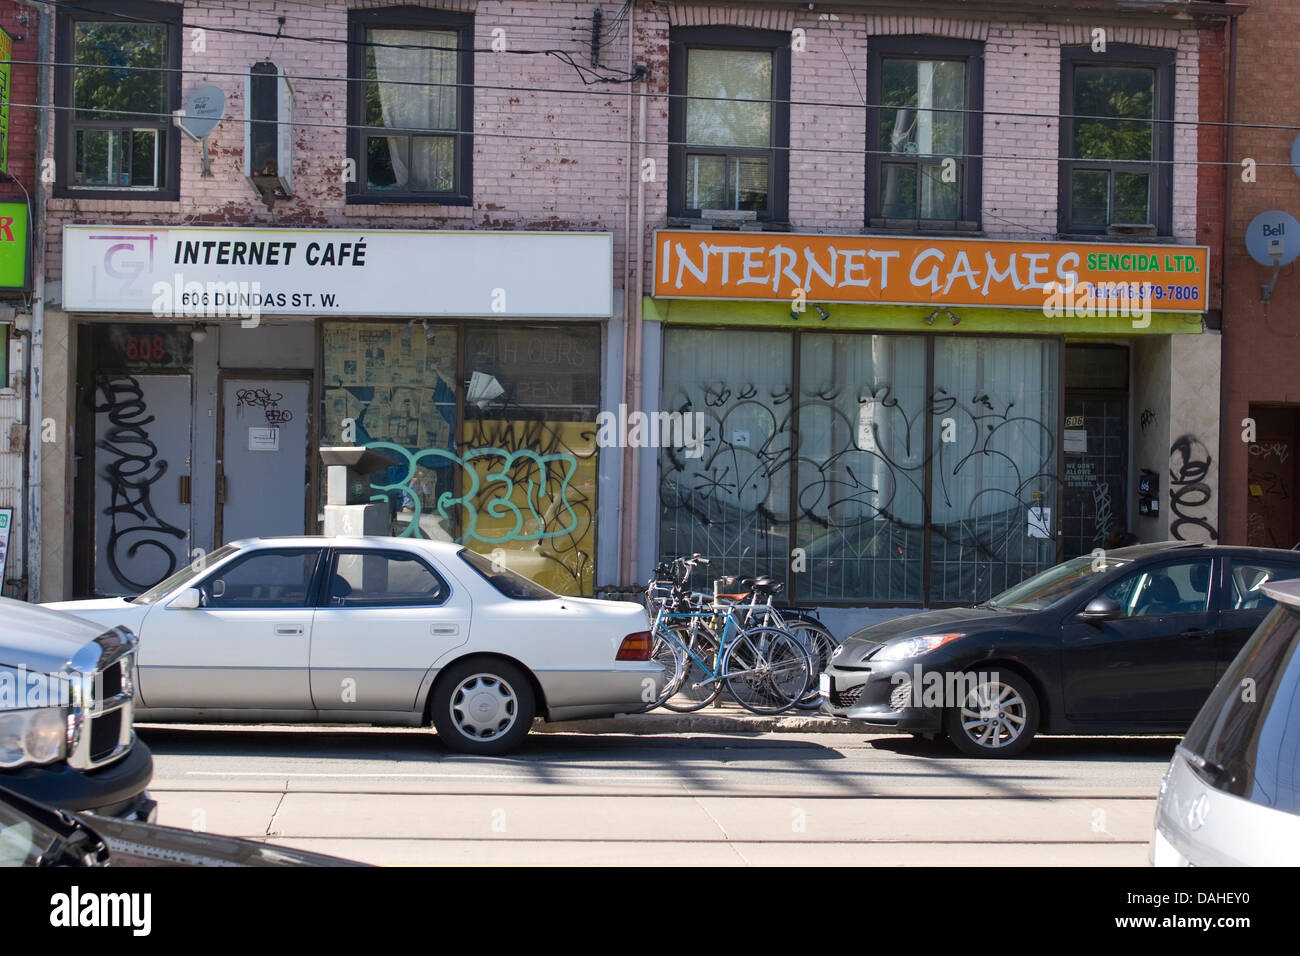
187 600
1100 609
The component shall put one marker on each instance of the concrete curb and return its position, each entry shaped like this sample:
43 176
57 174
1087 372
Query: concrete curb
708 721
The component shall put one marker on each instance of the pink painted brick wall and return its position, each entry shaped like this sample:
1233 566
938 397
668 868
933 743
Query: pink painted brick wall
558 160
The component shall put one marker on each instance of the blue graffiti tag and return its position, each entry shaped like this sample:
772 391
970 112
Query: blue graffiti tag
549 478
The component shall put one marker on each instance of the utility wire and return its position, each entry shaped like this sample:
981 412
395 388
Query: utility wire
936 158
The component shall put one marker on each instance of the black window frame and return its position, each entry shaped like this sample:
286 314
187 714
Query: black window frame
681 41
325 601
405 17
970 176
65 122
1161 61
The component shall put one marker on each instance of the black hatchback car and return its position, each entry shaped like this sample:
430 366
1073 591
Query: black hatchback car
1131 641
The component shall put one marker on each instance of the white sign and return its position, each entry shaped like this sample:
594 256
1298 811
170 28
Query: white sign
6 525
866 426
1040 522
263 439
341 272
1076 440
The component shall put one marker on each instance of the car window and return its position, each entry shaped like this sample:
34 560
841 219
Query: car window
169 584
1246 737
1180 587
273 578
367 578
1056 583
514 586
1247 578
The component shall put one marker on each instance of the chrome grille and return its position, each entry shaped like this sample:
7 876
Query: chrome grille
101 722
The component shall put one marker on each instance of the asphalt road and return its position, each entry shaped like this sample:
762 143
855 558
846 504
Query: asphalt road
398 797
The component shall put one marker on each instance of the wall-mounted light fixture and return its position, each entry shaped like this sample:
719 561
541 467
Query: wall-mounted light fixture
823 313
929 319
948 312
199 332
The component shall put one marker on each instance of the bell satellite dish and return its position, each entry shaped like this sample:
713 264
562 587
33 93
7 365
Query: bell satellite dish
200 115
1273 238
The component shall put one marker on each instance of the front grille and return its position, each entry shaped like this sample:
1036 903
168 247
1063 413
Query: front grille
847 697
102 717
105 733
110 682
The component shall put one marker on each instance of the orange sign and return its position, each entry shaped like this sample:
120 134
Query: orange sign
907 270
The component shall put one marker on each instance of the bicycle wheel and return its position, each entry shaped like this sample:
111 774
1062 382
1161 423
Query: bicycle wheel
767 670
821 645
696 690
666 652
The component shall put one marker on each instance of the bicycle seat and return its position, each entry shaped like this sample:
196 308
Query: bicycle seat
767 585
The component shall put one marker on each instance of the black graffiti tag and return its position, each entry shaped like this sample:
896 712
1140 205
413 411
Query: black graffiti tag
135 469
1189 463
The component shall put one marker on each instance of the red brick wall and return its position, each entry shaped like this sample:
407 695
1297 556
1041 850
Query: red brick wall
21 23
1261 342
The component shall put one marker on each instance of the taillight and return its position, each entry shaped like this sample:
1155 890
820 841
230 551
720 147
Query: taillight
635 647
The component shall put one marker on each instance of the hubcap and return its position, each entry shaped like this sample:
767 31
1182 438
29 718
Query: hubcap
484 707
994 715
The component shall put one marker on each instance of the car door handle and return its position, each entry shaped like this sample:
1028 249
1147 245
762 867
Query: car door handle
444 629
1196 632
288 629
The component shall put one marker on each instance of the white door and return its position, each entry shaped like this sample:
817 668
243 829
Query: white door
384 618
262 467
141 458
247 646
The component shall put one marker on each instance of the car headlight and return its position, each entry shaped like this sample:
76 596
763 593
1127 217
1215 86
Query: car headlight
34 736
914 647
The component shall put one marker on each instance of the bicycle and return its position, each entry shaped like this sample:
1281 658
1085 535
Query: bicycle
766 669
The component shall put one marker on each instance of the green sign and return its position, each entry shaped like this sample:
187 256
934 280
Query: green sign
13 245
6 70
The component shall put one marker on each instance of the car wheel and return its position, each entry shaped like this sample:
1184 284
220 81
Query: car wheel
483 706
998 718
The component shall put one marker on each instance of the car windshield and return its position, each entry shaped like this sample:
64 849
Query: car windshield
1245 739
512 585
1055 584
169 584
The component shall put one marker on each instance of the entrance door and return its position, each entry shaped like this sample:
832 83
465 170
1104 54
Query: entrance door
141 484
1270 507
262 474
1096 448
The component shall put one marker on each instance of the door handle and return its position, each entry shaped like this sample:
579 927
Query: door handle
288 629
1196 633
444 629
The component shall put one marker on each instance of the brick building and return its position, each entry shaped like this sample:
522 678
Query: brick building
1260 346
922 436
17 187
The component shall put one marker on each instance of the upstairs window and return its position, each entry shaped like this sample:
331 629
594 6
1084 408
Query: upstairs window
1117 141
729 124
410 105
923 133
114 132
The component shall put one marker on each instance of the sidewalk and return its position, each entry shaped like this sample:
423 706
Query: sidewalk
730 718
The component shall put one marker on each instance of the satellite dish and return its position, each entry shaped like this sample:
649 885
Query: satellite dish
202 111
1273 238
200 116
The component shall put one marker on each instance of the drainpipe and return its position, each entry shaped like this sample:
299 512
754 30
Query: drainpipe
632 351
1226 429
36 351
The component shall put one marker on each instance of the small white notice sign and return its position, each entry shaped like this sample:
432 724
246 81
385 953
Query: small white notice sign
1076 440
263 439
867 426
1040 522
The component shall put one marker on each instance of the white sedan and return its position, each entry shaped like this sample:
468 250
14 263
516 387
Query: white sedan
395 631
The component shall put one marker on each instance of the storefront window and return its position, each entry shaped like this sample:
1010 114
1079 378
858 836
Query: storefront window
732 502
994 481
515 476
528 444
874 454
861 467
